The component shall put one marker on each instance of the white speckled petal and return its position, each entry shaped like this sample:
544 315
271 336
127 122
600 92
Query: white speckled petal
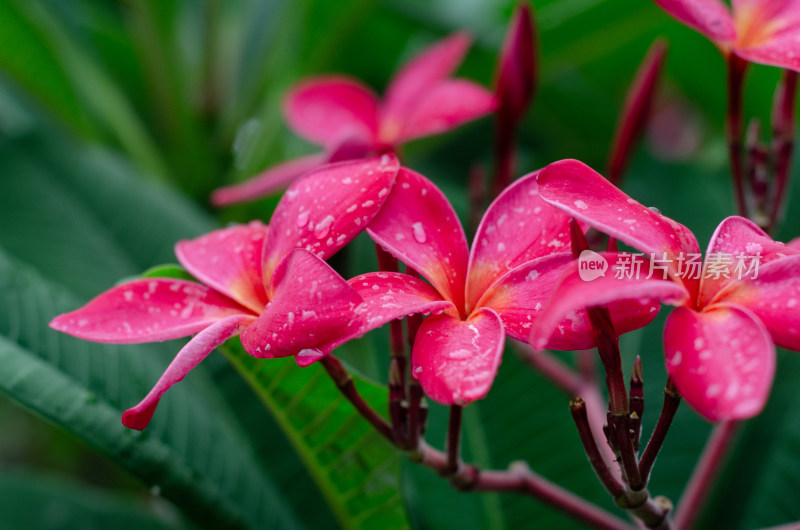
456 360
147 310
721 359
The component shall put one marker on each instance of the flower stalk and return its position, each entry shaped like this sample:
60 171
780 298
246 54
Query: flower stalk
344 382
737 68
454 440
704 473
398 362
467 477
578 409
636 402
671 401
517 75
783 127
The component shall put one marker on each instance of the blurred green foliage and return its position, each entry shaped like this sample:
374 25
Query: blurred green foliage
116 121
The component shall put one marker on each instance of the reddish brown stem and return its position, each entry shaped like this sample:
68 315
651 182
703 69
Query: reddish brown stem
415 420
608 348
504 153
620 429
397 364
344 382
704 474
520 479
757 158
578 409
733 128
671 401
783 126
477 196
636 402
454 440
470 478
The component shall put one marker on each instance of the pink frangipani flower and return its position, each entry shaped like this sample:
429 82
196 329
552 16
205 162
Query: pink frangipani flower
720 341
760 31
478 296
267 283
349 120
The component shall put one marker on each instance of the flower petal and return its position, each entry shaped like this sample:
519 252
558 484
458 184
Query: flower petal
391 295
780 50
269 181
721 360
187 358
794 243
522 292
583 193
444 107
418 226
323 110
311 308
710 17
633 303
774 297
516 69
327 208
517 227
768 31
229 260
455 360
147 310
736 237
422 72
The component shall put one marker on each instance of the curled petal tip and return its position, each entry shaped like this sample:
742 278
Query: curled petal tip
309 356
139 417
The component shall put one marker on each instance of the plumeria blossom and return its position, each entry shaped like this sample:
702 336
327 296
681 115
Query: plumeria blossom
478 296
720 341
267 283
350 121
760 31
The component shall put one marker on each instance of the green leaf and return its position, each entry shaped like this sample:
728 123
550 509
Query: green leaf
168 271
80 219
33 500
28 59
95 90
358 471
192 452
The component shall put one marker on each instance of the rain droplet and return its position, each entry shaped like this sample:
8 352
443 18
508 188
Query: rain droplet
302 219
419 232
323 227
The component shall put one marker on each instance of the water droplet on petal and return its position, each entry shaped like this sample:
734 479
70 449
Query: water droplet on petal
419 232
302 219
323 227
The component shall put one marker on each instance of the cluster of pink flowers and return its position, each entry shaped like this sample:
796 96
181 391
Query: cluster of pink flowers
270 284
